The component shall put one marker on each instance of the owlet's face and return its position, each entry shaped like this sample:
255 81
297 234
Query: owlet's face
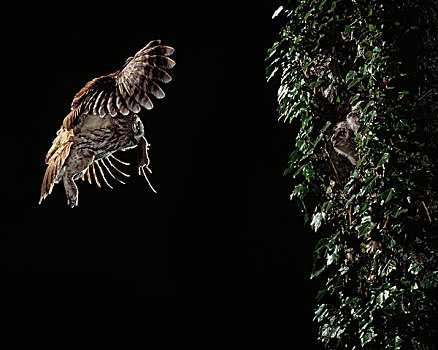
342 138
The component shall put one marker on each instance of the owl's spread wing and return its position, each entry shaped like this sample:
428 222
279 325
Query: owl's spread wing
126 90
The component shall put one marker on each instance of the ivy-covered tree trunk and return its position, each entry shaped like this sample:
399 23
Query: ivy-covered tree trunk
374 212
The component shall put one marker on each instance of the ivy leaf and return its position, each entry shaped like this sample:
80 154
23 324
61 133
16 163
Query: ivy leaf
387 269
350 75
320 312
384 159
397 342
322 292
354 99
325 127
272 73
293 157
391 194
364 229
316 221
415 268
354 82
381 298
334 256
399 212
367 336
300 190
317 273
276 13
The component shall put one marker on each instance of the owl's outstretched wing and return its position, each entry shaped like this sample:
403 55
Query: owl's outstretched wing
126 90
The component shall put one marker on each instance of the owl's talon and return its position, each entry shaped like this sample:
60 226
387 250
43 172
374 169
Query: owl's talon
141 169
72 201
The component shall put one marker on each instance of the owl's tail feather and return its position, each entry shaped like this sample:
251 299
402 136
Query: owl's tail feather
55 159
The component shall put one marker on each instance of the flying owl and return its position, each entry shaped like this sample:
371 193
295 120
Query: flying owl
103 120
343 136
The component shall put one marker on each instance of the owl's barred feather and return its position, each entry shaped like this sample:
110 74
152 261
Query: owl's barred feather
55 159
103 120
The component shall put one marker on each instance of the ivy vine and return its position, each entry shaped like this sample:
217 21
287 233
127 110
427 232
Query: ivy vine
376 221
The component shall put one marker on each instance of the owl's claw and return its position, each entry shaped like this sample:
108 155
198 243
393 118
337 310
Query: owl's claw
141 170
72 202
143 160
71 191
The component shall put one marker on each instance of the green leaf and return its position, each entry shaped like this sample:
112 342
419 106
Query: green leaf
354 82
350 75
277 12
317 272
333 257
321 292
415 268
397 342
316 221
368 336
400 211
308 172
306 16
333 7
300 190
325 127
321 4
364 229
391 194
293 157
354 99
387 269
384 159
272 50
381 298
272 73
320 312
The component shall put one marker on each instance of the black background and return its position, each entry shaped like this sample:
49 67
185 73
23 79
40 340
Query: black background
219 257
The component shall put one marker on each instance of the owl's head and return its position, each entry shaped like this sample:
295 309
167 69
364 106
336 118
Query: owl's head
137 129
342 136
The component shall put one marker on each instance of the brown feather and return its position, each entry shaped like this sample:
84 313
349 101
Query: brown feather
111 105
160 50
121 96
160 61
151 43
153 88
55 159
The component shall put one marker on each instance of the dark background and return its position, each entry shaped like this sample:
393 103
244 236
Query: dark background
219 257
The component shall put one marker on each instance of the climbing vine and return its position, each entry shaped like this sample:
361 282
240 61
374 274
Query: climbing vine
376 221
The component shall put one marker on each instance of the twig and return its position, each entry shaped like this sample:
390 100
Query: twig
427 211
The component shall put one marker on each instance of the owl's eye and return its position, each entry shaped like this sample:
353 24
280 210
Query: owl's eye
138 127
